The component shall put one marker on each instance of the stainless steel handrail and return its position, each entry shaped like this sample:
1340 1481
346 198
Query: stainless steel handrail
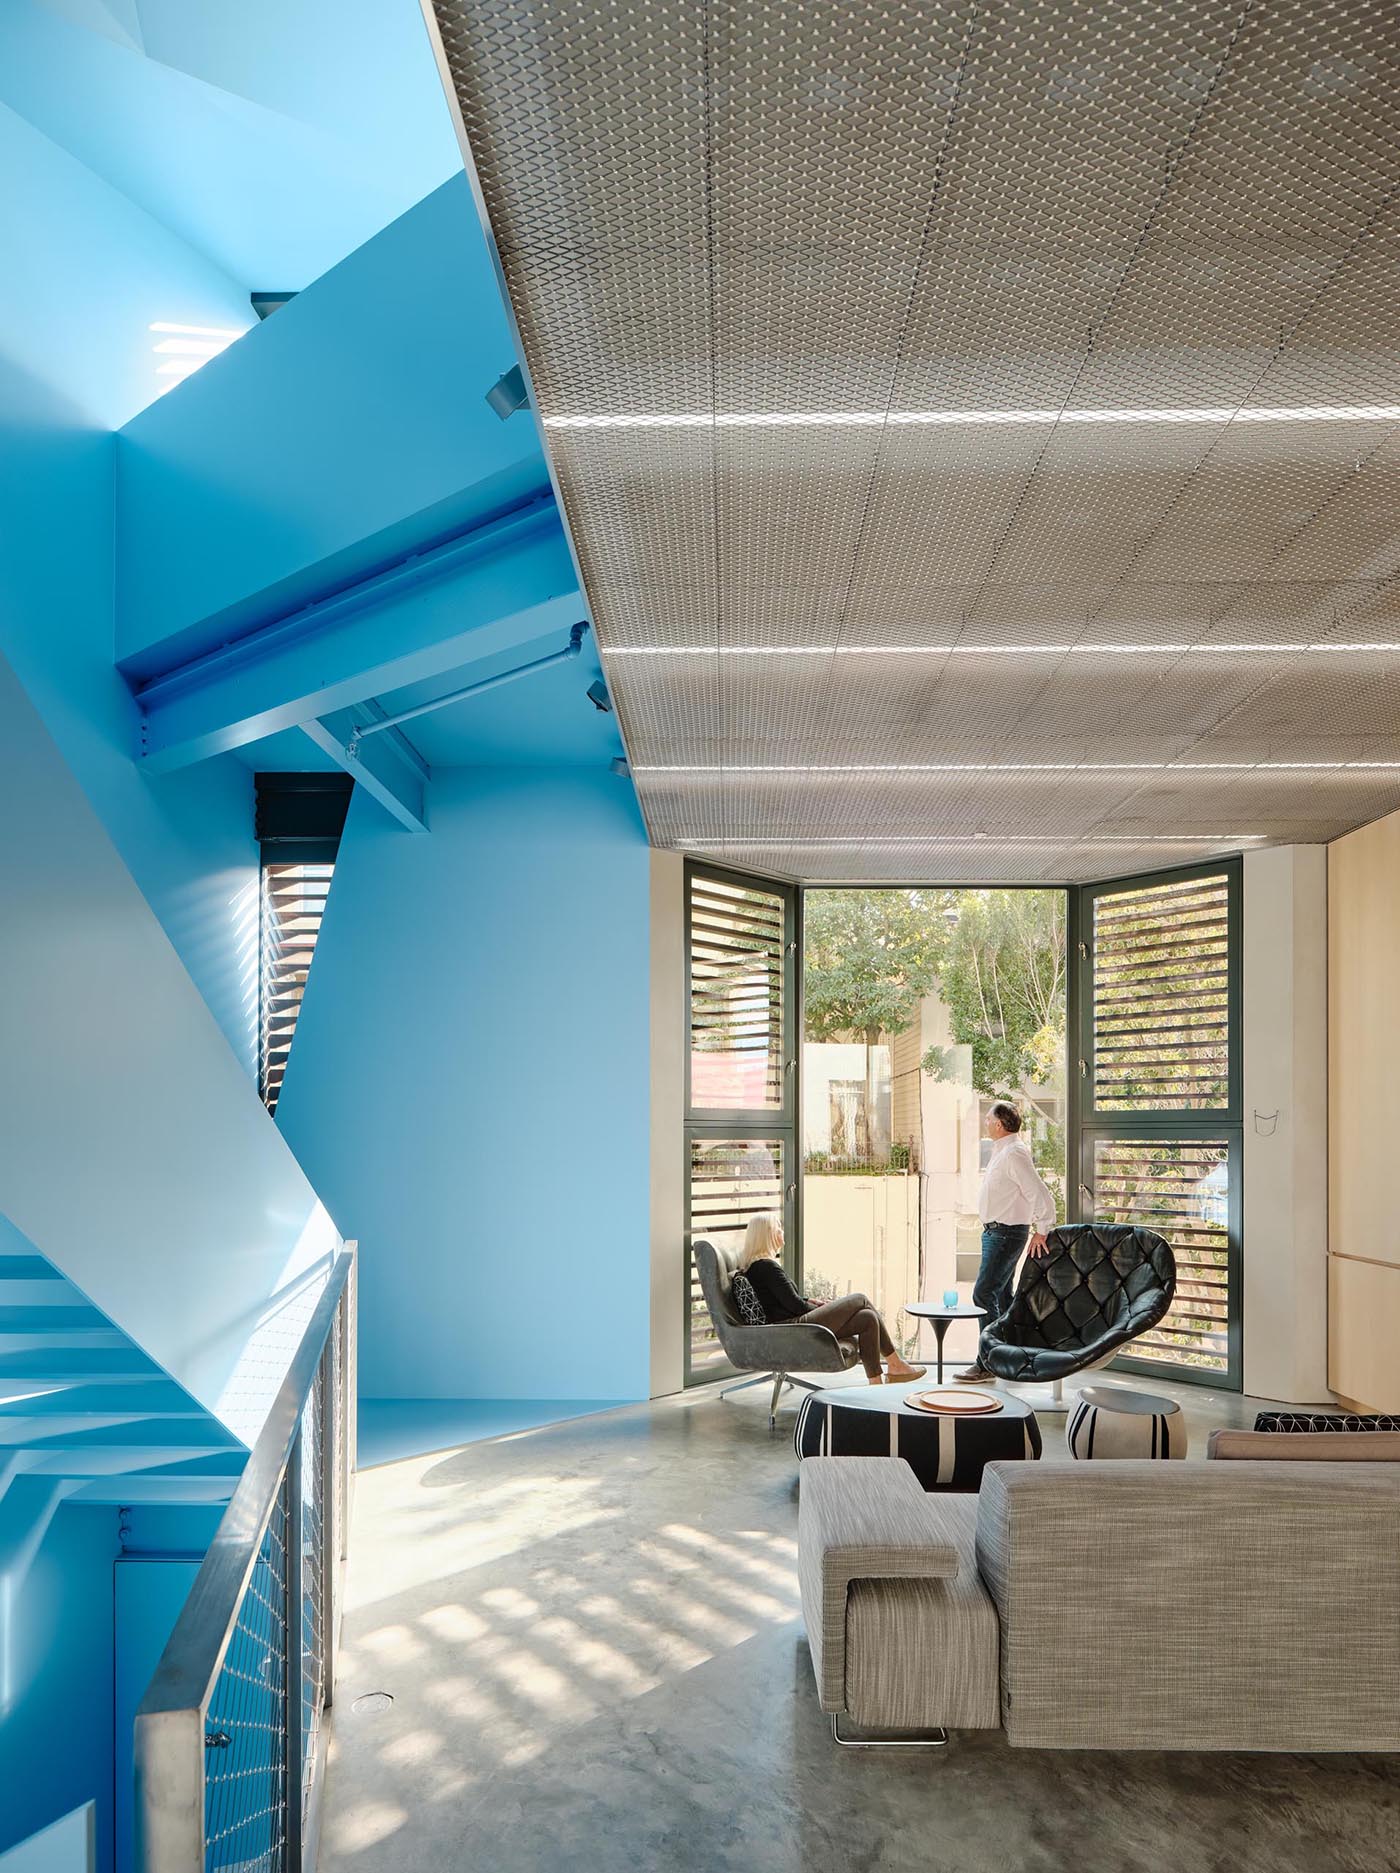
170 1727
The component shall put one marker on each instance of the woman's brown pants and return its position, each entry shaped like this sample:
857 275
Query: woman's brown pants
853 1318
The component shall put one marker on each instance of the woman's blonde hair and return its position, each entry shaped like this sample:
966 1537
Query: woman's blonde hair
760 1238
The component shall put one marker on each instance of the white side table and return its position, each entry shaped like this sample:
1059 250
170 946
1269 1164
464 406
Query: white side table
940 1317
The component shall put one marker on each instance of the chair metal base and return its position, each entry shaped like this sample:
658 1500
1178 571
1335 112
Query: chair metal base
931 1739
780 1379
1044 1399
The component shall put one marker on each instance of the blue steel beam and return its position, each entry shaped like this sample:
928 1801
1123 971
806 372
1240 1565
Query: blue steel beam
500 585
380 766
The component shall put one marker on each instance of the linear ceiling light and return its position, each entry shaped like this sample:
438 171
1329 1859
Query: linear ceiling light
1022 767
1080 649
877 419
877 841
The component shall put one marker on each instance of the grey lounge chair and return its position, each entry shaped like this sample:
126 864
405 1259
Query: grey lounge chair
773 1352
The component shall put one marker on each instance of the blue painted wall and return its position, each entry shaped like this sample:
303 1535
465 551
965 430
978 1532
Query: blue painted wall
274 136
188 838
56 1678
76 360
351 426
469 1087
148 1595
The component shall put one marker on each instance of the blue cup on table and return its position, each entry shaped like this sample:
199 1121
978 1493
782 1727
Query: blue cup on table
950 1297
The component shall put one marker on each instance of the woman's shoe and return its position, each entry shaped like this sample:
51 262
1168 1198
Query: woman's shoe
900 1374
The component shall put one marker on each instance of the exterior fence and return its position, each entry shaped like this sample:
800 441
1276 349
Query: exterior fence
230 1736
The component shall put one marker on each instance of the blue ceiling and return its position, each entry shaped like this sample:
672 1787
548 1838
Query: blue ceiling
272 136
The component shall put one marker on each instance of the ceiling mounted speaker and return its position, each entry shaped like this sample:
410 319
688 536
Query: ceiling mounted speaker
508 394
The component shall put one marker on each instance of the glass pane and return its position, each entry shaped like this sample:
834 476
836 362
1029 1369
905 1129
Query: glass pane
1180 1188
1160 994
921 1008
731 1179
737 938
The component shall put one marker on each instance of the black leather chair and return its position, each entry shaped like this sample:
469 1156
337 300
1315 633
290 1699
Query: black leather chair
1097 1287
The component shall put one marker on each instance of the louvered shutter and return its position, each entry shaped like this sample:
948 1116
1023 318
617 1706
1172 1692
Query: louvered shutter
293 903
740 1113
1161 997
1160 1138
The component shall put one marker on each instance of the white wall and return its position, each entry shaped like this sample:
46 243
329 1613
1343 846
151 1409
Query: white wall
1285 1157
134 1150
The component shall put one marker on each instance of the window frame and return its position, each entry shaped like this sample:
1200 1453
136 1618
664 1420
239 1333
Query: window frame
1176 1124
758 1123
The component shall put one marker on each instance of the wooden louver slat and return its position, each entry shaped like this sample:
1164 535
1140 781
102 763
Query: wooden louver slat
293 904
1162 951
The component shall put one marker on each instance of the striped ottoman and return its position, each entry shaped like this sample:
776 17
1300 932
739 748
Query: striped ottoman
1110 1422
944 1453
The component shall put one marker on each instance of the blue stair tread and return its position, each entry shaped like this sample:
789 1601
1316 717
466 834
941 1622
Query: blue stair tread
221 1463
28 1268
155 1488
164 1433
64 1363
42 1318
146 1395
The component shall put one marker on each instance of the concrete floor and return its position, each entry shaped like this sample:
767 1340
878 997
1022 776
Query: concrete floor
591 1635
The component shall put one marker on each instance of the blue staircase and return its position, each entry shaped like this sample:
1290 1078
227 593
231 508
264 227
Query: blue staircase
86 1416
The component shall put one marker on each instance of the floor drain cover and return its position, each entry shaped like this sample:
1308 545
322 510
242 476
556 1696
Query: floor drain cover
373 1701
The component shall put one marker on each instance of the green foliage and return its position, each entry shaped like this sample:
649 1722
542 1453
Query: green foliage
870 958
1002 976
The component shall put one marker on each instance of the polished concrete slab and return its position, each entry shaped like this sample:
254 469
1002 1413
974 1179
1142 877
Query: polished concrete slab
591 1635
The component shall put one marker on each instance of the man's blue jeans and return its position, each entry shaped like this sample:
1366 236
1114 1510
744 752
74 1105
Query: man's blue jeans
1002 1247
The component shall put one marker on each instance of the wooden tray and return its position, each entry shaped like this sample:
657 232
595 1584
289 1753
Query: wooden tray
956 1404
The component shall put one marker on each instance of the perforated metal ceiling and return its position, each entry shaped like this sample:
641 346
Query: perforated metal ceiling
979 424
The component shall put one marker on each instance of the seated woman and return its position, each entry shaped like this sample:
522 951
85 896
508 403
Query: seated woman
850 1318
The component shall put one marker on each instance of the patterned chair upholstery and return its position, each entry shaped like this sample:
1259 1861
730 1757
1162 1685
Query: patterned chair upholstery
1098 1286
774 1352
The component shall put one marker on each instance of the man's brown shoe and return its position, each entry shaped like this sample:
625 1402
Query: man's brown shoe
974 1375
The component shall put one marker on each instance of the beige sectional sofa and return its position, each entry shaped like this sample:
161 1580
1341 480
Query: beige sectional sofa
1129 1605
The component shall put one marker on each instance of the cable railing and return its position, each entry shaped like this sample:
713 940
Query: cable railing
230 1736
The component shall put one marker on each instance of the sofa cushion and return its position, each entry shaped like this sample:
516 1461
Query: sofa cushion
923 1653
1305 1446
1195 1605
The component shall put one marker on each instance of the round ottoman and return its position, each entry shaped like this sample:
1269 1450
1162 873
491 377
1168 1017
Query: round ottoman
944 1453
1110 1422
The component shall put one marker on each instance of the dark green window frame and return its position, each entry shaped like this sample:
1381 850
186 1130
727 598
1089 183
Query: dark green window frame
779 1123
1176 1124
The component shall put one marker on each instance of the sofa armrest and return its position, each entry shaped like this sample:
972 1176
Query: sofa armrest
861 1518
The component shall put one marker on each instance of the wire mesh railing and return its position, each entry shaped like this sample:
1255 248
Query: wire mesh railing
230 1736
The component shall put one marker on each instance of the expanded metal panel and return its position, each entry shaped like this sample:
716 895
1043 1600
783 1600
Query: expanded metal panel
748 243
1180 1188
1161 987
245 1788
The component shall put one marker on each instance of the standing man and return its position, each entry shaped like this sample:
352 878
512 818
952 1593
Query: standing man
1015 1202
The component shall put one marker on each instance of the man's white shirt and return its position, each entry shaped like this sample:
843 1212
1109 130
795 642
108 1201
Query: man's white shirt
1013 1190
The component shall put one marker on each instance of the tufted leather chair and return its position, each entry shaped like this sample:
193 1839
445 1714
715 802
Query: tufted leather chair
774 1352
1098 1286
